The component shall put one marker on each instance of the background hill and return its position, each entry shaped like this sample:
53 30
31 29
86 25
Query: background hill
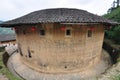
114 32
6 30
114 15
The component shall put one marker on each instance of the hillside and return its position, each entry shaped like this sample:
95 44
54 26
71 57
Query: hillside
6 30
114 15
114 32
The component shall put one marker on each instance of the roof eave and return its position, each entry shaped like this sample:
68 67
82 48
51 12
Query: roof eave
80 23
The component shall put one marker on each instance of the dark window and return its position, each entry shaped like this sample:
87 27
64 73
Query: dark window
68 32
24 32
42 32
89 33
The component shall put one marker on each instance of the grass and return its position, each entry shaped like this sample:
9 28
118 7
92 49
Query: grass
116 77
4 70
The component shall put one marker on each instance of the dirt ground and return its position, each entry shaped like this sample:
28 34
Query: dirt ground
90 74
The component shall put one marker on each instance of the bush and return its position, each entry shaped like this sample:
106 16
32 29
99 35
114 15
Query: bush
2 49
114 34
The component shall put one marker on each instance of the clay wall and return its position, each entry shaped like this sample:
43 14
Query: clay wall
57 52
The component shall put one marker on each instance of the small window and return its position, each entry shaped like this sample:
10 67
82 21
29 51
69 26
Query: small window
42 32
24 32
89 33
68 32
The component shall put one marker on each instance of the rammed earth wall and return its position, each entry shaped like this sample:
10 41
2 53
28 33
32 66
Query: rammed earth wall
56 52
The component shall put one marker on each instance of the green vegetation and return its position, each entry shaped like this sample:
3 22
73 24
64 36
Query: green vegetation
117 77
1 49
4 70
114 32
114 15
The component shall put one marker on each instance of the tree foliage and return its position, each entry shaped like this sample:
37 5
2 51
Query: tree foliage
116 36
114 32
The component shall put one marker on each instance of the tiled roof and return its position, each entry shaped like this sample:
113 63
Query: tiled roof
7 37
64 15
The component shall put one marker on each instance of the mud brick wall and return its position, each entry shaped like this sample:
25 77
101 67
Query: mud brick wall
56 52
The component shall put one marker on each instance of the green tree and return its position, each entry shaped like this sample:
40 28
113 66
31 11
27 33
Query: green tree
116 36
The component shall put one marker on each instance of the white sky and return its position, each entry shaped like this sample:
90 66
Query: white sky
10 9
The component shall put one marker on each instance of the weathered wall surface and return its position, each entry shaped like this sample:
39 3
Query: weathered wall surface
55 52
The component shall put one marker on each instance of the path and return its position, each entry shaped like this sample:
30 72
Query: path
111 73
19 69
3 77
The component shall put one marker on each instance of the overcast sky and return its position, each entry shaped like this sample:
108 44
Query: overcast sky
10 9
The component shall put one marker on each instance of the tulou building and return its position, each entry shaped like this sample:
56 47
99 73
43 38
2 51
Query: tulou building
60 40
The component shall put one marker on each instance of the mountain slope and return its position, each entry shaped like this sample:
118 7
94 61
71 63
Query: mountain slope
1 21
114 15
6 30
114 32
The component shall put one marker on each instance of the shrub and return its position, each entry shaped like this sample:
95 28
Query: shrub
2 49
114 34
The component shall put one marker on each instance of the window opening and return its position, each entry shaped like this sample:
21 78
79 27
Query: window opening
89 33
42 32
68 32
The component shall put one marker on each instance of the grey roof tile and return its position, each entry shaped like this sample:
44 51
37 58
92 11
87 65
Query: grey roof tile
7 37
67 15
